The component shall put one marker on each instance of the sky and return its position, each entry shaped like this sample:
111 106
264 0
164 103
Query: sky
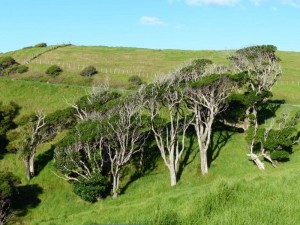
157 24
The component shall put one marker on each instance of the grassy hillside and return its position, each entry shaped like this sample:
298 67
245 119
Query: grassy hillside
234 191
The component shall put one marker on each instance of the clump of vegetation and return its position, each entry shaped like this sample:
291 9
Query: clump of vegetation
54 70
40 45
93 189
88 71
8 192
135 80
9 65
22 69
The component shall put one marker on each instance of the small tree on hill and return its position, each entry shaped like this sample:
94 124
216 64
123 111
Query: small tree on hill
124 137
165 103
54 70
88 71
262 68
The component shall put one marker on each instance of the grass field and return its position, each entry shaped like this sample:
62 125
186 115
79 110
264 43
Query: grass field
234 191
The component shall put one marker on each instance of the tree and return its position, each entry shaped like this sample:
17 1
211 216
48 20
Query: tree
262 68
8 191
31 136
54 70
80 158
88 71
169 122
124 137
206 98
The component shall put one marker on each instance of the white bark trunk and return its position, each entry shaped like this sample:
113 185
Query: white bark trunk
173 176
204 166
31 166
257 161
116 180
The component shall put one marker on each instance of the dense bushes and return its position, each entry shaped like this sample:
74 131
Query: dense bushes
91 190
8 65
54 70
88 71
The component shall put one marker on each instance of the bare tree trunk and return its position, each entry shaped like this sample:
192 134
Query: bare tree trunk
173 175
31 165
27 168
116 180
257 161
204 166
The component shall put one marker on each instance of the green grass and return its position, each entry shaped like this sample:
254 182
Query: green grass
33 96
234 191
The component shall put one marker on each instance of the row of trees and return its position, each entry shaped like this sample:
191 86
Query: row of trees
113 131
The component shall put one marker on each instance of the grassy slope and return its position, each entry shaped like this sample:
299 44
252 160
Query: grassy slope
264 197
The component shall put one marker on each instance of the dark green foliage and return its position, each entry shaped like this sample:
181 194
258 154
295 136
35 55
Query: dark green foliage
7 114
93 189
280 156
8 65
54 70
8 194
135 80
197 67
22 69
40 45
88 71
100 102
61 119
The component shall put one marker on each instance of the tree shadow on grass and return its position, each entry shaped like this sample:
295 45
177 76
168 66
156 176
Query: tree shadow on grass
149 157
187 159
43 159
268 110
220 136
27 199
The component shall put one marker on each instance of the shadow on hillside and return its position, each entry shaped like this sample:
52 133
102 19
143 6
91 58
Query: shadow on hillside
144 162
27 199
187 159
220 136
268 110
43 159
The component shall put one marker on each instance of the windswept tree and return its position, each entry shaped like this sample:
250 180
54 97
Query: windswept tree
206 98
80 157
262 68
169 121
124 137
32 135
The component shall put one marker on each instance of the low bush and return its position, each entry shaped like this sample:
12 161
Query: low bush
22 69
135 80
40 45
88 71
54 70
93 189
6 62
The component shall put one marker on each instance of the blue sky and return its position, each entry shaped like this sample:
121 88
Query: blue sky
159 24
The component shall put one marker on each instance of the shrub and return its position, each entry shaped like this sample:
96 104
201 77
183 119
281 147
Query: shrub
6 62
135 80
93 189
88 71
22 69
280 155
40 45
54 70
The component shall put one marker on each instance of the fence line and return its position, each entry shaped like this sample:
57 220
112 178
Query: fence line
106 70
